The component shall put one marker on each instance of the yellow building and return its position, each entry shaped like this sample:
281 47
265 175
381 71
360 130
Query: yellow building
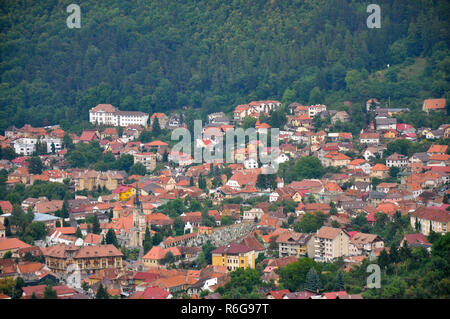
234 256
124 192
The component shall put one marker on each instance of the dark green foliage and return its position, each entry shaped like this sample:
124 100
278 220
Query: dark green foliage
293 276
101 293
96 225
340 281
244 284
49 293
158 56
313 282
148 244
111 238
138 169
36 165
310 222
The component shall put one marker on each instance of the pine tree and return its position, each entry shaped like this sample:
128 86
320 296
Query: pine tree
156 128
78 233
191 181
313 282
340 282
96 225
65 209
111 238
101 293
147 241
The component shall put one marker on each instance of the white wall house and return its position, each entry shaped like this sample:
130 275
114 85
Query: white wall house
106 114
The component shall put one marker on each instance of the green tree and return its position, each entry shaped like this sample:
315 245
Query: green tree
340 282
49 293
78 233
111 238
101 293
313 282
36 165
96 225
138 169
293 276
168 258
156 128
147 243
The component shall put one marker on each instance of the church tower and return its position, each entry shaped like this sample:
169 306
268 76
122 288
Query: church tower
139 223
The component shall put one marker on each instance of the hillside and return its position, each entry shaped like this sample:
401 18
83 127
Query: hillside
161 55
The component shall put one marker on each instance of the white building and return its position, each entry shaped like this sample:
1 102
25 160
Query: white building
25 146
106 114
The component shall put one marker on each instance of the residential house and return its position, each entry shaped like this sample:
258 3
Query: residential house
379 171
385 123
295 244
364 244
397 160
434 105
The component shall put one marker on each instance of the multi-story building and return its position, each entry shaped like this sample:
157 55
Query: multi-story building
397 160
148 159
364 244
296 244
90 179
331 243
234 256
87 258
106 114
427 219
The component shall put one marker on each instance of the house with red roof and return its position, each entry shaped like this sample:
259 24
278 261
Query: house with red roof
89 136
434 105
415 240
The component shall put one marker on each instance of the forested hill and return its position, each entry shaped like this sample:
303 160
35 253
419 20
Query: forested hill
164 54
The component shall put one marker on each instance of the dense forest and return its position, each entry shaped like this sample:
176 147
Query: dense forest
164 54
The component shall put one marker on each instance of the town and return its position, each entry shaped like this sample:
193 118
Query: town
113 213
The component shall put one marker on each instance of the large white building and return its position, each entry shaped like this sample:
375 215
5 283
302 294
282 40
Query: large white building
27 145
107 114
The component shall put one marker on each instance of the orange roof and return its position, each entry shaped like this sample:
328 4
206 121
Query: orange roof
437 149
379 167
66 230
157 143
439 157
333 187
387 208
435 103
357 161
29 267
12 243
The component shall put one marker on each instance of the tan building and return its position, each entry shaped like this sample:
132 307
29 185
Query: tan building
147 159
379 171
426 219
90 179
87 258
331 243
